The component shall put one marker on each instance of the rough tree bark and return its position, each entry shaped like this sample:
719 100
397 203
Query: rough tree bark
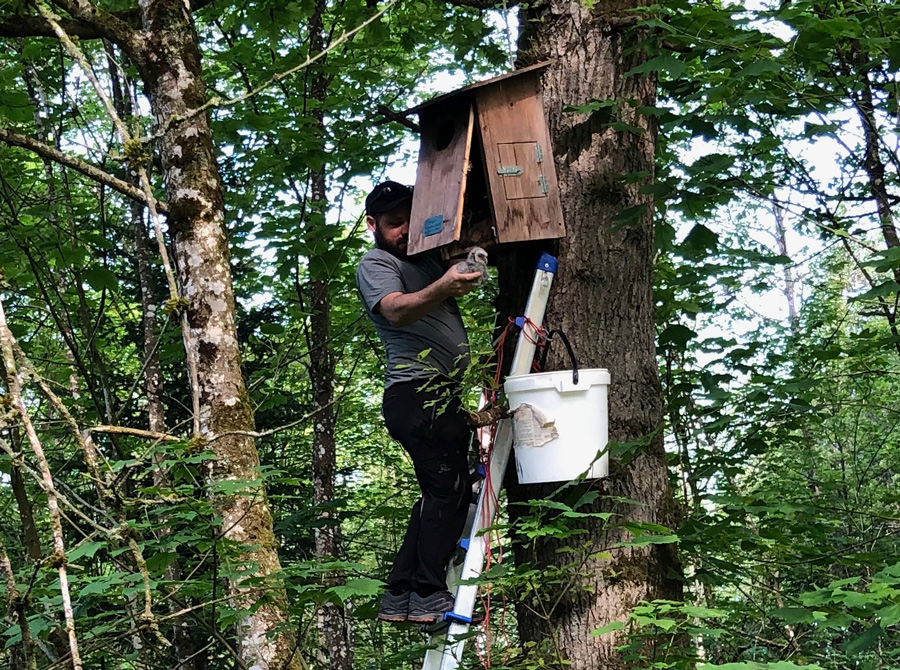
602 299
169 63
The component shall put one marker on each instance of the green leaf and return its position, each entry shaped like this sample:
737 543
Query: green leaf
608 628
884 261
701 241
759 67
271 328
88 549
889 615
665 63
792 615
594 106
862 642
888 288
703 612
644 540
101 278
676 335
357 588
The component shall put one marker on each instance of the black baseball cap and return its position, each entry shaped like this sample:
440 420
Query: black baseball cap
386 196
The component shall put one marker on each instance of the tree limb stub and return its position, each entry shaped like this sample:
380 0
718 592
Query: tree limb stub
13 138
487 417
390 115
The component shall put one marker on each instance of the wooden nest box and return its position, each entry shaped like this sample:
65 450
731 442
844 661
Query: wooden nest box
486 172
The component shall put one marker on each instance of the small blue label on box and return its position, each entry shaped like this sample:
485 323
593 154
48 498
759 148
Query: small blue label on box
433 225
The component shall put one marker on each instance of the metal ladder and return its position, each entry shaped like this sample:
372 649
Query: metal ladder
446 646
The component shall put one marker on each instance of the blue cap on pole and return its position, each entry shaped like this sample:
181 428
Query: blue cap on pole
453 617
547 263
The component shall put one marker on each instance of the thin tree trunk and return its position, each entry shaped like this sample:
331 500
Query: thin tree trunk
603 300
30 538
166 53
790 293
10 373
22 655
873 163
333 621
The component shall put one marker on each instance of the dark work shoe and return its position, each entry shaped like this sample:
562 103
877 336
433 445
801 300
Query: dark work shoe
428 609
393 607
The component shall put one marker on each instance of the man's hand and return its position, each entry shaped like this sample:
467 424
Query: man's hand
455 283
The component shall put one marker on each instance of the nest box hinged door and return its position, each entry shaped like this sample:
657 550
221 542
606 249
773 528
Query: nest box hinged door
437 207
519 160
486 172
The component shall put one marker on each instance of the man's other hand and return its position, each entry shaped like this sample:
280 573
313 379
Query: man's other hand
455 283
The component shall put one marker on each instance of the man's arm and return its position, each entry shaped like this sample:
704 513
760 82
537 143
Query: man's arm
402 309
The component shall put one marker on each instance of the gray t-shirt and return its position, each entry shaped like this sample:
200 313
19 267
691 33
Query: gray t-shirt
441 331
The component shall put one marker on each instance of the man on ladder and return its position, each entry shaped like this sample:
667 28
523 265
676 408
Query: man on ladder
411 302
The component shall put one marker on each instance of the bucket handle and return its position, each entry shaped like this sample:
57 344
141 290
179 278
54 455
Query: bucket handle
568 346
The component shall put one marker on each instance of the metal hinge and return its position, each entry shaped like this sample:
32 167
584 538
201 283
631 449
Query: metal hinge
538 153
510 171
542 180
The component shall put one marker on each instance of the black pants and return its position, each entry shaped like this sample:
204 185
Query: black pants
432 428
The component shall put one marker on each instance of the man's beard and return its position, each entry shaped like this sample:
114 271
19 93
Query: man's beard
384 245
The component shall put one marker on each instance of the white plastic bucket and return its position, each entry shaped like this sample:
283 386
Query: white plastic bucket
579 414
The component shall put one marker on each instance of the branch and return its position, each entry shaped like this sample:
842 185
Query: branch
484 4
91 454
175 299
390 115
36 26
13 138
137 432
111 26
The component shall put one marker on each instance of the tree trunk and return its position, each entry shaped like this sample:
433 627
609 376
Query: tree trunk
166 53
603 301
169 62
334 624
790 294
30 538
333 620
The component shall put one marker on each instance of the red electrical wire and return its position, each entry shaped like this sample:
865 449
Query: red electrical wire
539 340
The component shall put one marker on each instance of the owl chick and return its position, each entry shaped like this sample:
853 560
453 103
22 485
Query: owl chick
476 261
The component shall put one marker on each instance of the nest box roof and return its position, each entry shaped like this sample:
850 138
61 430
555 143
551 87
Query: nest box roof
487 82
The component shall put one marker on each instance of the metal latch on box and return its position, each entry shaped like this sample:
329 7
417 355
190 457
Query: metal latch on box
510 171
